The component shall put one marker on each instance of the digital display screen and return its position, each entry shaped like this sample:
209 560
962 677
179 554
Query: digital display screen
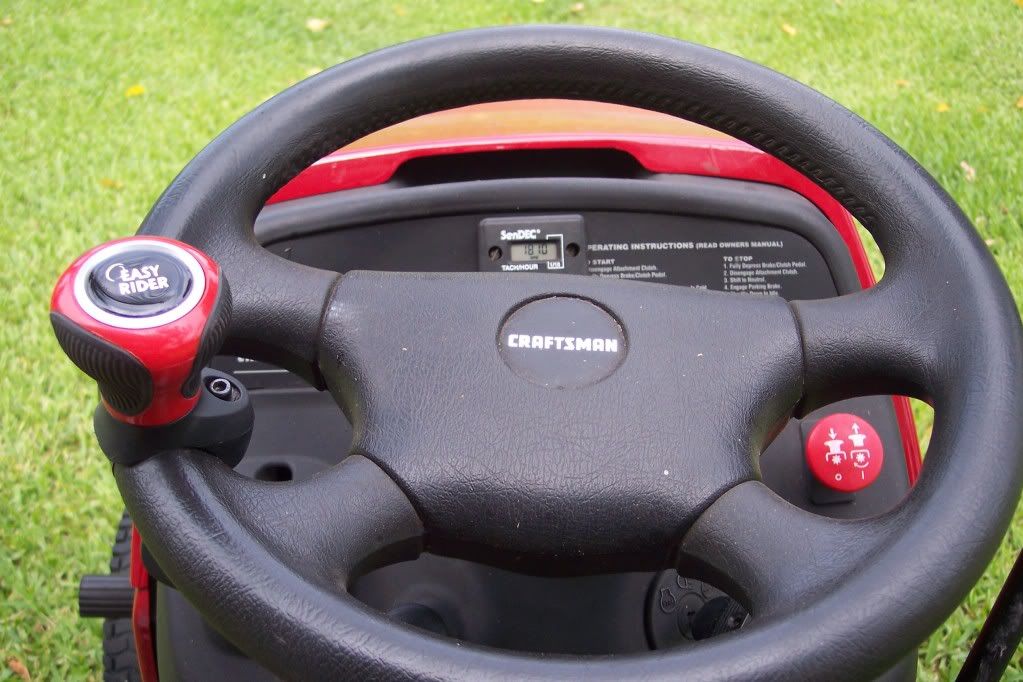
523 252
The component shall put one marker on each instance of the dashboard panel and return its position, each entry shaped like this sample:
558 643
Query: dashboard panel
706 232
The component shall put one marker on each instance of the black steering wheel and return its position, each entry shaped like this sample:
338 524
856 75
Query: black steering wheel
640 449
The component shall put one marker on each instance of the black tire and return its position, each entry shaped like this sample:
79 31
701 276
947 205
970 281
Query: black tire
120 663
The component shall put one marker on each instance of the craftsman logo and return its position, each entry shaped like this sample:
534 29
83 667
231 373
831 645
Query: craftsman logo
566 343
137 279
520 235
582 342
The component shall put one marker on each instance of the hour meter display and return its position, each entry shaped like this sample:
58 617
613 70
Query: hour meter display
548 244
524 252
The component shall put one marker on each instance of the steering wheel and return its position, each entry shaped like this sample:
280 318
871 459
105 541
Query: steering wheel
630 444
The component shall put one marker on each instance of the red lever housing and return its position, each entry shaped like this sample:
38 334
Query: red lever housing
142 316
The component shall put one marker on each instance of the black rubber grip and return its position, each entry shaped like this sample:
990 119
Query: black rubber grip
213 335
105 596
124 382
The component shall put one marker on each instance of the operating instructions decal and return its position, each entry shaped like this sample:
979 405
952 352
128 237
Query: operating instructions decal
774 263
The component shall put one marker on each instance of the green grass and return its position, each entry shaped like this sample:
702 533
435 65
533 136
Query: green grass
80 163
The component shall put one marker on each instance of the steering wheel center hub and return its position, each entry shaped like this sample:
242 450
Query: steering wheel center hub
562 342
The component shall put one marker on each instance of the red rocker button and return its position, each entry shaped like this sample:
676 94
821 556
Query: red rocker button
844 452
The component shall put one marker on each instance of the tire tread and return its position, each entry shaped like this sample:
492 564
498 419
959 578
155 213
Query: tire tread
120 663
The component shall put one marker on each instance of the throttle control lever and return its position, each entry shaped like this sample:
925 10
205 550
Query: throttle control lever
143 316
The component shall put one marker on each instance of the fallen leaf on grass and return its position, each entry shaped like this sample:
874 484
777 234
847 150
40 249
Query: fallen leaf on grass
110 183
577 8
136 90
1019 103
990 242
18 668
789 29
901 83
942 107
969 171
6 21
316 25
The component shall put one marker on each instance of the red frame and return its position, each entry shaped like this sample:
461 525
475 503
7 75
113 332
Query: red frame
142 612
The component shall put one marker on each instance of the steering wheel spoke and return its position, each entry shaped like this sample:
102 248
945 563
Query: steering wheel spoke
884 340
277 304
771 555
277 312
329 528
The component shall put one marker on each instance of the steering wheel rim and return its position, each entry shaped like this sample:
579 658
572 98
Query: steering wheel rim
940 325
